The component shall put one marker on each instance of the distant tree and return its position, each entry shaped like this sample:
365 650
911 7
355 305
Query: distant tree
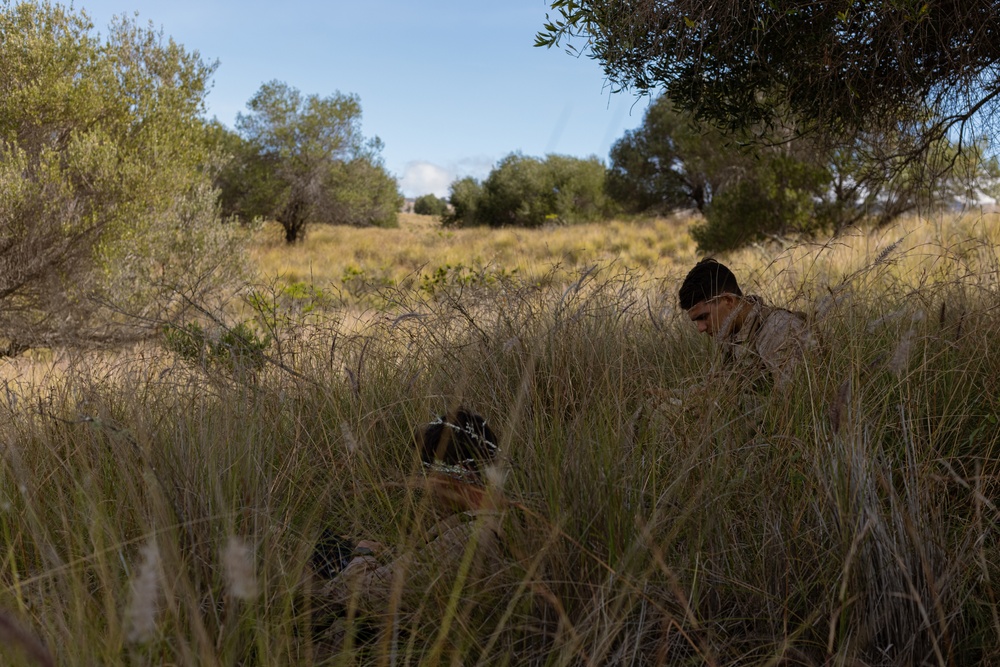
529 192
514 193
575 189
363 193
466 196
430 204
671 161
793 184
107 216
839 68
305 161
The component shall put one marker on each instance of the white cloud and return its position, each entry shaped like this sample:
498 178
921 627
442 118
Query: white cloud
421 177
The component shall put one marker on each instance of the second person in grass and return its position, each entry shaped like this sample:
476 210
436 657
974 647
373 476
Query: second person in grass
755 337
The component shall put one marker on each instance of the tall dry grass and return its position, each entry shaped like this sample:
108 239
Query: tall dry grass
164 511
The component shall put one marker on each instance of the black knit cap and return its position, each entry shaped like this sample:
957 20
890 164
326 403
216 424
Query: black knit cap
707 280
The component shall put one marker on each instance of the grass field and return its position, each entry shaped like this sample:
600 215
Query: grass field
652 508
421 249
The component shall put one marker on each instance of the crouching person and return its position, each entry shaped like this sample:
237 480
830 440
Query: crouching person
461 546
756 338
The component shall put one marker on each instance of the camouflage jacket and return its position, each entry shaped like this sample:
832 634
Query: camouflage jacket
771 339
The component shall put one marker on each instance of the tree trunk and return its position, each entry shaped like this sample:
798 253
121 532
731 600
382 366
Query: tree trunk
294 223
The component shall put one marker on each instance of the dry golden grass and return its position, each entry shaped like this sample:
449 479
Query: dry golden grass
919 245
658 248
160 511
420 246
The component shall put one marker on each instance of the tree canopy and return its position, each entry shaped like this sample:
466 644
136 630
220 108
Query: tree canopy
791 185
430 204
530 192
303 159
839 67
107 215
671 162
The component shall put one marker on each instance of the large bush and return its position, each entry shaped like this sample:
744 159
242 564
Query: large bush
529 192
514 193
107 215
575 189
781 195
430 204
465 198
363 193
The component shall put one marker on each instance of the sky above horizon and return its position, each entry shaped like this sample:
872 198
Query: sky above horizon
450 86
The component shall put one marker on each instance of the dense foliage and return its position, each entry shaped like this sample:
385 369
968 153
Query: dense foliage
839 67
107 214
529 192
430 204
302 160
671 162
794 185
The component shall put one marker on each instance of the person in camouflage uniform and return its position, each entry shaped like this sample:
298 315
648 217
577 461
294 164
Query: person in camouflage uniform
463 542
752 333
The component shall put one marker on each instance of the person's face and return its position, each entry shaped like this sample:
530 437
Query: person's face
711 315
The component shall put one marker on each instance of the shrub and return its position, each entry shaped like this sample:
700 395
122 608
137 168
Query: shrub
466 198
780 197
239 350
364 194
430 204
529 192
108 221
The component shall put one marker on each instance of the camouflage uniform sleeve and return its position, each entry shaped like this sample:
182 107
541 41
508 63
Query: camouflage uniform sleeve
782 342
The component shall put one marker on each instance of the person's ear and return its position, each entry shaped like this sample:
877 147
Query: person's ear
729 299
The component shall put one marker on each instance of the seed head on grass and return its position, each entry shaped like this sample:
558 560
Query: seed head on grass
886 251
238 565
144 602
900 360
349 440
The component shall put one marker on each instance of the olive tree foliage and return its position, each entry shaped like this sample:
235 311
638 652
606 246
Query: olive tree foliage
465 195
303 159
672 162
793 184
430 204
530 192
108 220
914 71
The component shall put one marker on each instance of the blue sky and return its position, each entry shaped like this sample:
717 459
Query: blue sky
450 86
